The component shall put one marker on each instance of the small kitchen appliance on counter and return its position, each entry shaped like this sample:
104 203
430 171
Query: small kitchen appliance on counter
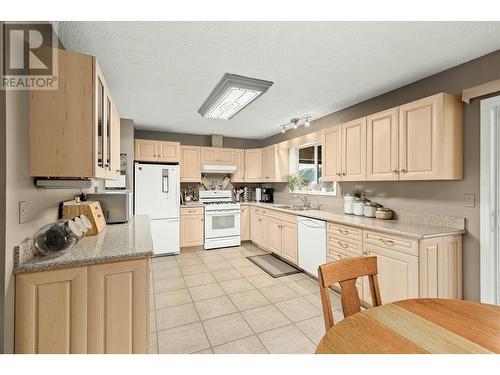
116 205
258 194
267 195
222 219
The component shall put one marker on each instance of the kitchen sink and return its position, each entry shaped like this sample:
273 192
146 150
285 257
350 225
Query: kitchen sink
294 208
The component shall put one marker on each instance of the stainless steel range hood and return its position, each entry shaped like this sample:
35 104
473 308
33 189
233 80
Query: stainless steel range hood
218 169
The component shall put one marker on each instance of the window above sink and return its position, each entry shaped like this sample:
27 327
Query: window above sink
306 162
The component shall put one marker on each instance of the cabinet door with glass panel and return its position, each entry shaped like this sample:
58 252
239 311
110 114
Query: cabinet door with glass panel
71 128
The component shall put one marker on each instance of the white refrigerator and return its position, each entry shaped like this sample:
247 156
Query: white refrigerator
156 193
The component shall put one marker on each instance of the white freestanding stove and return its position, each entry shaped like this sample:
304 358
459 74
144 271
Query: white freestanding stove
222 219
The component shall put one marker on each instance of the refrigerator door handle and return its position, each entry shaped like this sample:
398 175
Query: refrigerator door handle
164 180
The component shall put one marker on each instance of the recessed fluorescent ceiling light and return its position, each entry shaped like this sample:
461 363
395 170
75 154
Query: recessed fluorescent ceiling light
231 95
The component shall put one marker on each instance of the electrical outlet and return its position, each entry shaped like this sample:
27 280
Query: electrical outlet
23 212
469 200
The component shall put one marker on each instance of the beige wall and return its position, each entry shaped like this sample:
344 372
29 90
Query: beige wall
431 197
43 204
196 139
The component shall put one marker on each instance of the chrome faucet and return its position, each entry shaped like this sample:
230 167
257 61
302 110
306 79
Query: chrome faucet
305 201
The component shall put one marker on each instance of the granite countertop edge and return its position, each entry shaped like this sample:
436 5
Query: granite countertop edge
69 263
117 242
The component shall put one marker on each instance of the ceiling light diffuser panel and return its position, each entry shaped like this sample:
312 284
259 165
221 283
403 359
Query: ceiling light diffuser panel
231 95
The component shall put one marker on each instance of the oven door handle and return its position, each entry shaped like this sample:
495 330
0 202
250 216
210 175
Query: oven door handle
222 213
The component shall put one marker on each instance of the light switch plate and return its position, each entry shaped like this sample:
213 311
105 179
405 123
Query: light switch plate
23 212
469 200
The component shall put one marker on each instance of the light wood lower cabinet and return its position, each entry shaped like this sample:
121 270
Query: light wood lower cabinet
275 232
90 309
118 307
289 242
275 236
397 274
192 226
245 223
51 312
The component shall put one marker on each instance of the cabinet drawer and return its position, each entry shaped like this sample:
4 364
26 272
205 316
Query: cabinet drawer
190 211
391 242
282 216
355 248
345 231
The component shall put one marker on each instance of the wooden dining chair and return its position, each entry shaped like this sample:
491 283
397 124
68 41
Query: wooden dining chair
345 272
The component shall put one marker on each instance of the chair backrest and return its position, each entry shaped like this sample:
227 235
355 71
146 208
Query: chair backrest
345 272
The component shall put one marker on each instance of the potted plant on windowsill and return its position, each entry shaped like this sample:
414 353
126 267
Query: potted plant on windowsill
295 181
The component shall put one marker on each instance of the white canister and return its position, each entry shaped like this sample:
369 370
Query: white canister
359 206
348 203
370 209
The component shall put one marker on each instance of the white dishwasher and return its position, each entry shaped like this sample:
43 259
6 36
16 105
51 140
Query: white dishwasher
312 244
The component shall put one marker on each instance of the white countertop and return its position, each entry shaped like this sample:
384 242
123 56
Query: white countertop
396 227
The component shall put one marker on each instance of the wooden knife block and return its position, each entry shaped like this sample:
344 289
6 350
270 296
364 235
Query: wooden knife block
91 209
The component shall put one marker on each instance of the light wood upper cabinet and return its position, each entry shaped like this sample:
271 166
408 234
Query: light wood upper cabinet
253 160
354 150
421 140
217 156
245 223
118 307
382 142
274 163
239 161
51 312
267 164
146 150
160 151
331 153
72 129
169 151
115 145
190 163
192 226
431 138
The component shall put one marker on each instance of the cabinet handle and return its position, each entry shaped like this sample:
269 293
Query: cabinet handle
387 242
343 173
344 232
402 170
395 171
343 245
339 174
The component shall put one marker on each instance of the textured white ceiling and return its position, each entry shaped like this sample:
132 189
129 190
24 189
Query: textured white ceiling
161 72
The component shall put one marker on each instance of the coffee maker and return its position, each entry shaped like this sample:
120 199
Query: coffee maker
267 195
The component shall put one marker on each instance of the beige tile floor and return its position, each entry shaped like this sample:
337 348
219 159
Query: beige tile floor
217 301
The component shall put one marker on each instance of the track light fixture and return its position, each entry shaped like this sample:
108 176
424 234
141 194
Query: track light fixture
296 122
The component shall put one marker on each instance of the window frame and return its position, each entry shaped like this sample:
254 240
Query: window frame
294 168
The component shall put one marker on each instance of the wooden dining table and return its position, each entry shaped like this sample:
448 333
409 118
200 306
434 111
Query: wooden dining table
414 326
